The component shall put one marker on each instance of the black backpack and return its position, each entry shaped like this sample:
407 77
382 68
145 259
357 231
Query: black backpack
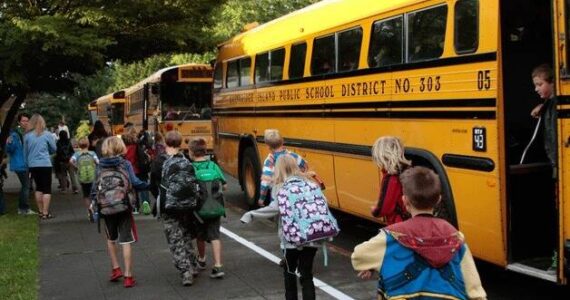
143 159
179 189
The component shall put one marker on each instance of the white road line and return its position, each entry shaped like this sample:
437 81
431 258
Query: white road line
318 283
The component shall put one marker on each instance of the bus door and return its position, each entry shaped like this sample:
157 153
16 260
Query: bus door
561 12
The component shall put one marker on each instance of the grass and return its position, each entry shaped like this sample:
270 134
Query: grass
18 253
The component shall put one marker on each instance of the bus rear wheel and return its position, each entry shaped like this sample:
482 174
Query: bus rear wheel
251 174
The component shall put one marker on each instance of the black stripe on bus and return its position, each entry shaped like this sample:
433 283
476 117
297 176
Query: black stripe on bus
564 113
228 135
468 162
482 115
440 62
476 102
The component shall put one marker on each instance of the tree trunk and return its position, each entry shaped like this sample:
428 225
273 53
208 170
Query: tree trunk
12 112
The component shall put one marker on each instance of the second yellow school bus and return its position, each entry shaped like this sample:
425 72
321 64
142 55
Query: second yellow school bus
174 98
451 78
111 112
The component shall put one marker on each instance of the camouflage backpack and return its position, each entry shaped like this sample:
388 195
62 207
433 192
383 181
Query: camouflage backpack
113 191
179 189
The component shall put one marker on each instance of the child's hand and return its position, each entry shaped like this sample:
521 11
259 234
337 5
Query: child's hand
260 203
535 113
366 274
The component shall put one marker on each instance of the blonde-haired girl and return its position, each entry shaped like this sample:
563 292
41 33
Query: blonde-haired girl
388 154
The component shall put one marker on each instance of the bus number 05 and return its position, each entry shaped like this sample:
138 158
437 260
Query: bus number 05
484 80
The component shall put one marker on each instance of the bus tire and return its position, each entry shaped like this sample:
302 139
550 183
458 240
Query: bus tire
251 176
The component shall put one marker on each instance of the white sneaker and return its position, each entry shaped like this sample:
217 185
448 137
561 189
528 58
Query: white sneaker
27 212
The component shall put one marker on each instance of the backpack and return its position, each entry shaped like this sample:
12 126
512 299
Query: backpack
179 189
86 167
113 191
212 202
143 159
305 214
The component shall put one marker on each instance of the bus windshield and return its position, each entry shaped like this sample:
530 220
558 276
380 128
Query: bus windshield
186 101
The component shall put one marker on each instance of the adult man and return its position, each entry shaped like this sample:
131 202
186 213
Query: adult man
63 127
15 150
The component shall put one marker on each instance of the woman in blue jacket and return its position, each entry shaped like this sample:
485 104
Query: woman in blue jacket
38 146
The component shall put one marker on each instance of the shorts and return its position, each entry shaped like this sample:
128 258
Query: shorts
42 178
209 230
86 189
121 227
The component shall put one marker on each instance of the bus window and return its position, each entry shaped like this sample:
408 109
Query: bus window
118 114
349 49
218 76
232 78
277 60
466 26
261 67
426 33
386 43
323 59
297 61
244 70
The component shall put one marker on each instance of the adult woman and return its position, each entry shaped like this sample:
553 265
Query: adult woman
38 146
96 137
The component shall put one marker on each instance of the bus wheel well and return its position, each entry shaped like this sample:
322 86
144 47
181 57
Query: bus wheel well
245 142
425 158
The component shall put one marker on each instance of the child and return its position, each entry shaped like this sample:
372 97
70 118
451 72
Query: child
209 230
296 257
179 226
275 143
388 154
422 256
86 163
121 226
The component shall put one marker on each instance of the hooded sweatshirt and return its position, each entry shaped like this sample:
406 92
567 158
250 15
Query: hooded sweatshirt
431 241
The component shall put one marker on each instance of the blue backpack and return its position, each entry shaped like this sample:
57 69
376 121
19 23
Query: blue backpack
305 214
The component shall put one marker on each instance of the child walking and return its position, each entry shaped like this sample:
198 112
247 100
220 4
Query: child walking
274 141
388 154
85 162
119 227
288 182
441 264
209 229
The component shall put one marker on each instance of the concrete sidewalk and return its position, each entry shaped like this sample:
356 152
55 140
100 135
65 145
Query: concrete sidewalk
74 263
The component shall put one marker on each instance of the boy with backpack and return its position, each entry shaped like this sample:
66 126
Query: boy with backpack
423 256
113 198
85 162
212 183
178 198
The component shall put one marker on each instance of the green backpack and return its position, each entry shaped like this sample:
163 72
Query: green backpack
212 202
86 167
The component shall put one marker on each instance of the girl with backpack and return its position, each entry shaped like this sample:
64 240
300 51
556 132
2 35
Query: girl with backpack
388 154
133 155
299 253
113 197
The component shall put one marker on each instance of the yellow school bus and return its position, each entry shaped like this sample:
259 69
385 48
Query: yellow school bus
450 78
174 98
111 112
92 111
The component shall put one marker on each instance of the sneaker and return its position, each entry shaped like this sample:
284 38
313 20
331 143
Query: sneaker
135 211
129 282
116 274
202 264
217 272
187 279
554 265
145 208
28 212
90 217
75 191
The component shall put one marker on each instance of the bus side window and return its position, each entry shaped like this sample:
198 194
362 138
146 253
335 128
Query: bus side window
261 67
386 43
244 71
218 78
349 49
297 61
466 26
277 60
232 77
323 58
426 33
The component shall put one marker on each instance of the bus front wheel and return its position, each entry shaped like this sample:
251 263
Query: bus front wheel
251 174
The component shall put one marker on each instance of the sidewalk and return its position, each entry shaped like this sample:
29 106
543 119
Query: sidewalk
74 263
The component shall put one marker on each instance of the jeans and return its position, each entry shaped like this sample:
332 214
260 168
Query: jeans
2 204
24 178
303 261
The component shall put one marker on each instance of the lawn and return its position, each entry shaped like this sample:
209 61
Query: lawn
18 253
